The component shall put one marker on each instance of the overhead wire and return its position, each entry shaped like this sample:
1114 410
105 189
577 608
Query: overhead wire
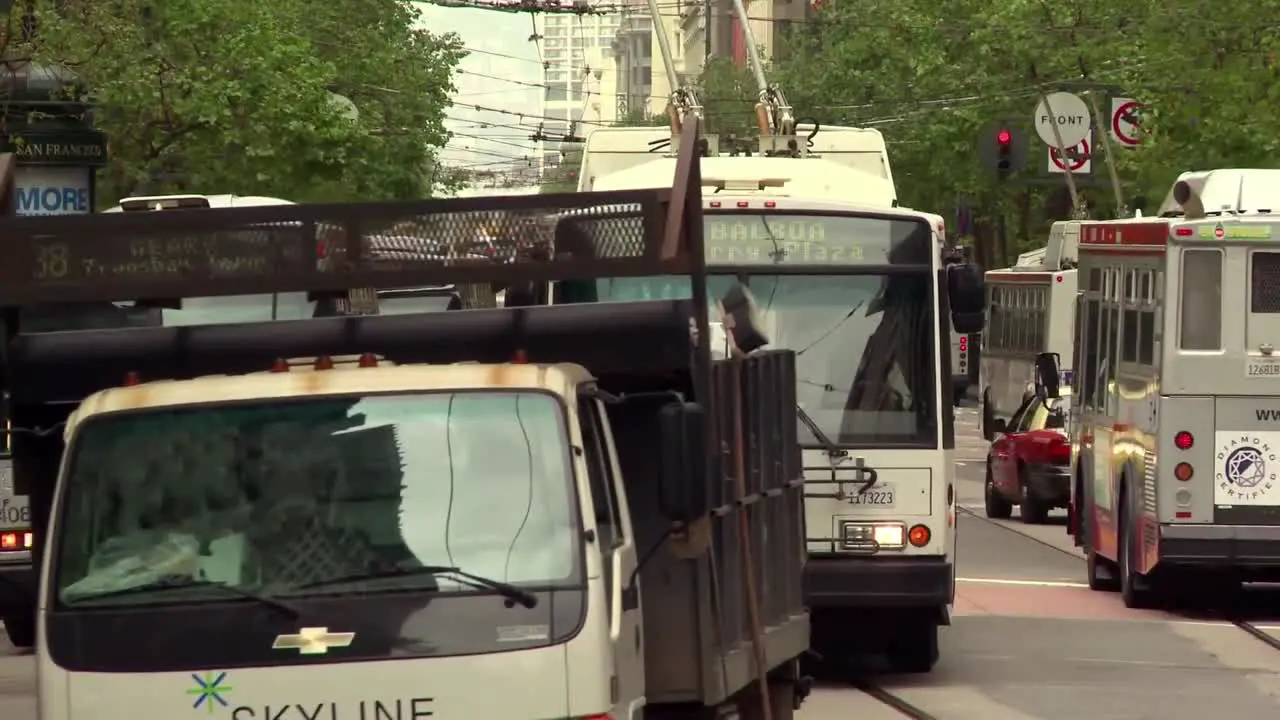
883 111
492 140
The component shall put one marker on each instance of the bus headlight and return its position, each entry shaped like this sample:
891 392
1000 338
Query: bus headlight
872 536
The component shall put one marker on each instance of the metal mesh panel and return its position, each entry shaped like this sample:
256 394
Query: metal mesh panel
309 550
756 397
489 241
1264 283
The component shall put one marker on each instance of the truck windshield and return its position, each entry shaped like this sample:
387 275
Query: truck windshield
283 499
865 347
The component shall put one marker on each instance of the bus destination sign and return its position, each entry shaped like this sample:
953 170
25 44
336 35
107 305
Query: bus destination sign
233 253
808 239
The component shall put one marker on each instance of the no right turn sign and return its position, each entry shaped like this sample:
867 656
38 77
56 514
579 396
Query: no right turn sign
1126 122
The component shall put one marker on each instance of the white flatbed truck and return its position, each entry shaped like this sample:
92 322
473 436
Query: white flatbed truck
523 512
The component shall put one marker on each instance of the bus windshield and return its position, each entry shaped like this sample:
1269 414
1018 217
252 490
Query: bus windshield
865 346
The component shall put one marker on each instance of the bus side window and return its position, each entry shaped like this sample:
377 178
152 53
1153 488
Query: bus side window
1093 356
1129 326
1147 319
1200 312
1113 339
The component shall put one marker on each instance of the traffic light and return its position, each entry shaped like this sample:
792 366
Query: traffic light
1003 149
1004 152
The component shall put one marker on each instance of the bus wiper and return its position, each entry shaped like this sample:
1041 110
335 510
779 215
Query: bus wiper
833 452
505 589
183 582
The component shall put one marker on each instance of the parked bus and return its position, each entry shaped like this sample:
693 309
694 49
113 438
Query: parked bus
1176 409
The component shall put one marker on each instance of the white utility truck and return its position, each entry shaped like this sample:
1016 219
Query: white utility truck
858 288
384 516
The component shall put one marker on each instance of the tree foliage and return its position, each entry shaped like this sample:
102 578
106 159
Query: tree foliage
306 101
935 75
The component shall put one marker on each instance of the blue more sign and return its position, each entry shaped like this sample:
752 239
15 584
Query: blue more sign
52 191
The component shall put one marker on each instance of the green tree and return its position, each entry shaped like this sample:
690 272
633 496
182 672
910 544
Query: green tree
285 98
640 118
1209 76
728 94
934 76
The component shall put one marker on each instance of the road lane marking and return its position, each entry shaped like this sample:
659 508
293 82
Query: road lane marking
1023 583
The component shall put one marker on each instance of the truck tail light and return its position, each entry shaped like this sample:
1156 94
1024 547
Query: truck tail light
1183 471
1184 440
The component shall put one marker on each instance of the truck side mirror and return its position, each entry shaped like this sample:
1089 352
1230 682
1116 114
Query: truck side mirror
967 295
1047 375
742 319
682 486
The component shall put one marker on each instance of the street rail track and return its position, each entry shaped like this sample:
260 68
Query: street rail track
1258 633
884 697
1231 616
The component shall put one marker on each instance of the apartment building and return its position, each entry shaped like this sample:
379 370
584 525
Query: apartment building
706 30
574 48
712 28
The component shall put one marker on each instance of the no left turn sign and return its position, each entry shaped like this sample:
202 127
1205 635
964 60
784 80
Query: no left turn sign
1077 159
1126 121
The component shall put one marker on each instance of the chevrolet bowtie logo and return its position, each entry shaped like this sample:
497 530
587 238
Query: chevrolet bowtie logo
313 641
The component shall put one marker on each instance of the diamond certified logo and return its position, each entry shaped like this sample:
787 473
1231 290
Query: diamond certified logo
209 690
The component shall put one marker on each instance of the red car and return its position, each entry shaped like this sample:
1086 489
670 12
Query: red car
1029 464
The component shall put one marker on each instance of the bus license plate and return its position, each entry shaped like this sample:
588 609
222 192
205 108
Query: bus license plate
881 495
1262 367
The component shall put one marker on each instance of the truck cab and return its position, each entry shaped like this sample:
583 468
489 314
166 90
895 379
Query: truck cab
349 518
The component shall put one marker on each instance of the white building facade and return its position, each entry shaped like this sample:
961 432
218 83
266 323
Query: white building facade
576 54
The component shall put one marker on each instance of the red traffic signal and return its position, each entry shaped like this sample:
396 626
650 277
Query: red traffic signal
1003 148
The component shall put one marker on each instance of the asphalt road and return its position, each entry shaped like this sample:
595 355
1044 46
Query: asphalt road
1029 641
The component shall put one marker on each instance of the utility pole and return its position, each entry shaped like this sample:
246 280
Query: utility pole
707 26
1076 208
1121 210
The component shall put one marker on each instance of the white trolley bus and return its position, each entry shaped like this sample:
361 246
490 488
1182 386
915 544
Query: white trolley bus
855 290
1030 310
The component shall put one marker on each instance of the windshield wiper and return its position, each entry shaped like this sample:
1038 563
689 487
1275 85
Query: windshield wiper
833 452
505 589
183 582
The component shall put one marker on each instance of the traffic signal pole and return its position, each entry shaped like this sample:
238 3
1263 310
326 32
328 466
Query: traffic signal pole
1103 133
1076 208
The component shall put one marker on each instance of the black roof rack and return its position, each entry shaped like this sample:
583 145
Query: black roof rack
242 251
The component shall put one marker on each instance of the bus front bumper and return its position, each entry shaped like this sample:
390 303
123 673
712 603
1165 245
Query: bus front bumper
834 580
1221 546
